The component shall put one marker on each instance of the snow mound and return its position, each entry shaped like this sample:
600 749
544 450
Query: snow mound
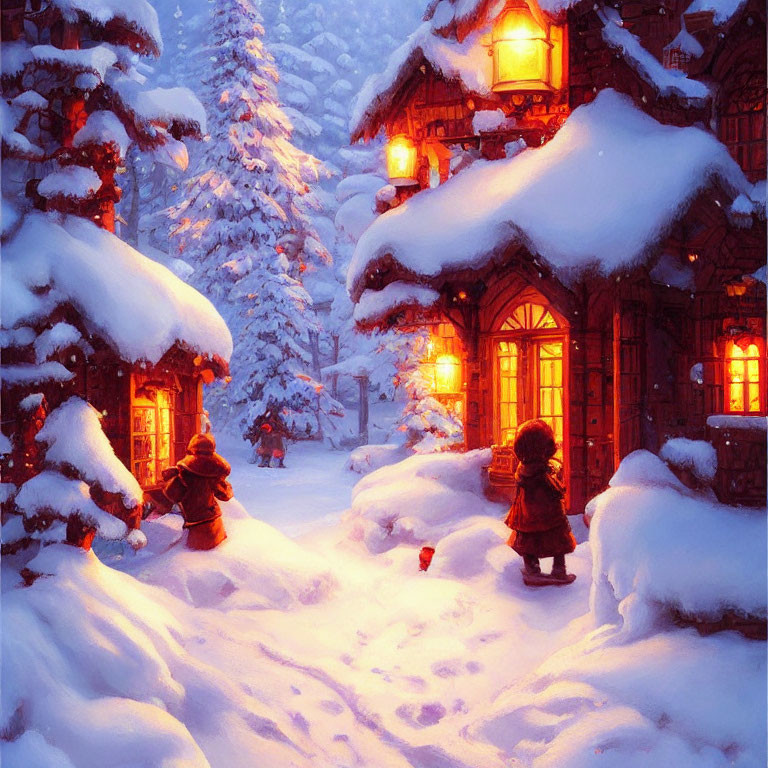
102 671
597 196
367 458
419 500
255 568
698 456
134 303
472 550
657 547
71 181
674 699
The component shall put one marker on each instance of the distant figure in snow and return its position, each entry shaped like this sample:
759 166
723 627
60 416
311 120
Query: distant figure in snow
194 484
270 445
537 516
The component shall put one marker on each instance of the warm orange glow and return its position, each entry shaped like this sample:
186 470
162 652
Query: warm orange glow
735 289
401 159
151 436
743 379
447 375
693 257
507 359
530 373
551 387
527 55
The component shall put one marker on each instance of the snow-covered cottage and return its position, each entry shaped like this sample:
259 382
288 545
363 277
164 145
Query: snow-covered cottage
85 317
581 196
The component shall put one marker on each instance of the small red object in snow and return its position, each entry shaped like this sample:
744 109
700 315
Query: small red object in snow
425 557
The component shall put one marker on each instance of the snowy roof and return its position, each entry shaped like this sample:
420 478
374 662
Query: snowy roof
457 54
135 304
723 10
598 195
667 82
466 61
137 14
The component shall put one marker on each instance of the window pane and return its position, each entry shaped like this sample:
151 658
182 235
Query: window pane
736 400
754 398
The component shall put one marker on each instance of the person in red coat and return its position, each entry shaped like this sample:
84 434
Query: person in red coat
537 516
271 445
195 484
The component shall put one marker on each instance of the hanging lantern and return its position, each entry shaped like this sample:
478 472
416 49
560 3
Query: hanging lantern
447 375
401 159
527 52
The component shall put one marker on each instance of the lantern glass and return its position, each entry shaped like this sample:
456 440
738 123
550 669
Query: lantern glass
401 159
447 375
522 52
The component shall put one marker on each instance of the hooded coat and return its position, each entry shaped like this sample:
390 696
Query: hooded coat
271 443
537 516
195 484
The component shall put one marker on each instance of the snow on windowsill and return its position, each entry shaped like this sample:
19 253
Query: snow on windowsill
734 421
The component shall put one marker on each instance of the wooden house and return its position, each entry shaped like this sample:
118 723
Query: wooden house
121 332
595 229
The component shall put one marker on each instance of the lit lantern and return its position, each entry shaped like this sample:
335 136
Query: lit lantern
401 159
527 52
447 375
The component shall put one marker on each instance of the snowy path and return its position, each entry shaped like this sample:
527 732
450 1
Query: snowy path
311 652
312 490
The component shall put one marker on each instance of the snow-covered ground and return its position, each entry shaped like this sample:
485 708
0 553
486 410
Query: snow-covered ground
313 651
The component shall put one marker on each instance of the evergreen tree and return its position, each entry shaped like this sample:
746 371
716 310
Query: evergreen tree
246 227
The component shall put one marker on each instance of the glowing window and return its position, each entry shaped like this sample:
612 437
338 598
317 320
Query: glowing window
743 379
551 387
529 317
151 435
401 159
507 360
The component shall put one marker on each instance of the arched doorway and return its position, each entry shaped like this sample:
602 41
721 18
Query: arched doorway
530 365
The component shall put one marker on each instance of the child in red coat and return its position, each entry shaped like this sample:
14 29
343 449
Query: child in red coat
197 483
537 516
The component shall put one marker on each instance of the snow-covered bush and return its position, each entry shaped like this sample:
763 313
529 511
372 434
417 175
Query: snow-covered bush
419 500
658 546
82 490
695 456
428 424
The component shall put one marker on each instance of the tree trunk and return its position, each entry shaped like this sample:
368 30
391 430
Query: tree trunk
362 420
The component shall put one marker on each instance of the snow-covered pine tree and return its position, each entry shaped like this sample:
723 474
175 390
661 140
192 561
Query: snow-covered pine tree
245 226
